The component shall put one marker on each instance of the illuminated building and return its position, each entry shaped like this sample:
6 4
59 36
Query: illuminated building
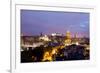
75 40
68 38
44 38
56 34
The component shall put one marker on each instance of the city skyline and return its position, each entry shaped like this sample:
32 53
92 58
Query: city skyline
33 22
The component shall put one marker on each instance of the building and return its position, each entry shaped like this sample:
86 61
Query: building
68 38
44 38
75 40
56 34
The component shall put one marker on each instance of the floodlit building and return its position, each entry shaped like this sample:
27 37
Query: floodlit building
75 40
56 34
44 38
68 38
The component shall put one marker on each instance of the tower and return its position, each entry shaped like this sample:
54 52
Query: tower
75 39
68 38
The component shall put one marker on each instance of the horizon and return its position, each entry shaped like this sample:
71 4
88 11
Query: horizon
33 22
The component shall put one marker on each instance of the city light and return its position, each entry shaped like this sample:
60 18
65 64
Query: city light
52 50
48 36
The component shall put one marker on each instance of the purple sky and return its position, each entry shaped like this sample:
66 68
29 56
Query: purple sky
33 22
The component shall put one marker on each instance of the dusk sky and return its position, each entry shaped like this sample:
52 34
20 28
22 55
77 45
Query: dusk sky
33 22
